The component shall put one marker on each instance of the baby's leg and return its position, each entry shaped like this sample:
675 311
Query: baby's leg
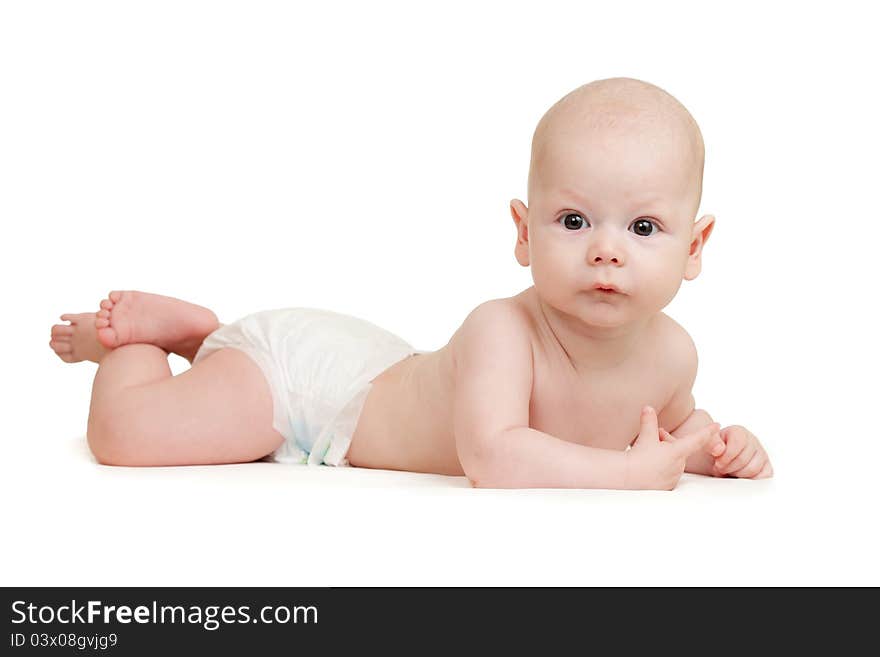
218 411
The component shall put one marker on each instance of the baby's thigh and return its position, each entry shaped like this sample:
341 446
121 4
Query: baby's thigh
218 411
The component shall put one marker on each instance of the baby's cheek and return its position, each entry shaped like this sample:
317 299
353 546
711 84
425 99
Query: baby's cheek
660 285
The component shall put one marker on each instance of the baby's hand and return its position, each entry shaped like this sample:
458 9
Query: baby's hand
656 459
744 457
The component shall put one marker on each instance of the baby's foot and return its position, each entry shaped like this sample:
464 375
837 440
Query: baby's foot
78 340
174 325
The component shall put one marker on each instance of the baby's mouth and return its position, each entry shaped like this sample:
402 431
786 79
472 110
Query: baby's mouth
605 288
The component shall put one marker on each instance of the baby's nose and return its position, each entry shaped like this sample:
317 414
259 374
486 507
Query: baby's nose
604 250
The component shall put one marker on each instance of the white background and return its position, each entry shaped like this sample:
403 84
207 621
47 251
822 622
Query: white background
361 157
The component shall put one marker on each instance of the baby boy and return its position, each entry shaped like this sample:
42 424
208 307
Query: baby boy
579 381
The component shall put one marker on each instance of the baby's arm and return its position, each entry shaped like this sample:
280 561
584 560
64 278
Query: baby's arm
699 462
737 453
681 412
493 384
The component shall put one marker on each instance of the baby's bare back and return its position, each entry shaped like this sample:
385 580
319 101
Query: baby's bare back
407 420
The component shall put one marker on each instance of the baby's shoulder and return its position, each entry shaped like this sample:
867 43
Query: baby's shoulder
495 316
678 346
495 321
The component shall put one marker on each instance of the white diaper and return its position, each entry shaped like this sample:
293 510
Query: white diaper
320 366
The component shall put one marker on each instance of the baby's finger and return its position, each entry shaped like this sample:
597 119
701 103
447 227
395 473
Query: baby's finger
732 449
739 461
716 446
650 428
752 468
766 472
698 440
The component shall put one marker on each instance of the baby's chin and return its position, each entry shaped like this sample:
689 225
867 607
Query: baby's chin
601 312
606 319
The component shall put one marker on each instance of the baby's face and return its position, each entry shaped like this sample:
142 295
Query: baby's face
611 206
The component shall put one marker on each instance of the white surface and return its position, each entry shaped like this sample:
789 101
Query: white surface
269 524
251 156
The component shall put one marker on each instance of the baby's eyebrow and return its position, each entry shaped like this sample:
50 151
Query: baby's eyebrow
647 203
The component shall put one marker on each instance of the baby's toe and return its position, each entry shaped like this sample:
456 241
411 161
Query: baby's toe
106 304
101 322
115 296
103 314
107 336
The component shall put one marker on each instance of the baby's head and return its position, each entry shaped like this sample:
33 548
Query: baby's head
615 182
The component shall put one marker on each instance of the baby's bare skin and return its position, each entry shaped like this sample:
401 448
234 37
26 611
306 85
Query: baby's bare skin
406 423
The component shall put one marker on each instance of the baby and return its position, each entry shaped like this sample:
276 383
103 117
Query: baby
579 381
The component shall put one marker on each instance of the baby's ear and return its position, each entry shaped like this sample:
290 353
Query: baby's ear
520 214
702 229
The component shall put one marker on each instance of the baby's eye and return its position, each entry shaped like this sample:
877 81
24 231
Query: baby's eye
573 221
643 224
